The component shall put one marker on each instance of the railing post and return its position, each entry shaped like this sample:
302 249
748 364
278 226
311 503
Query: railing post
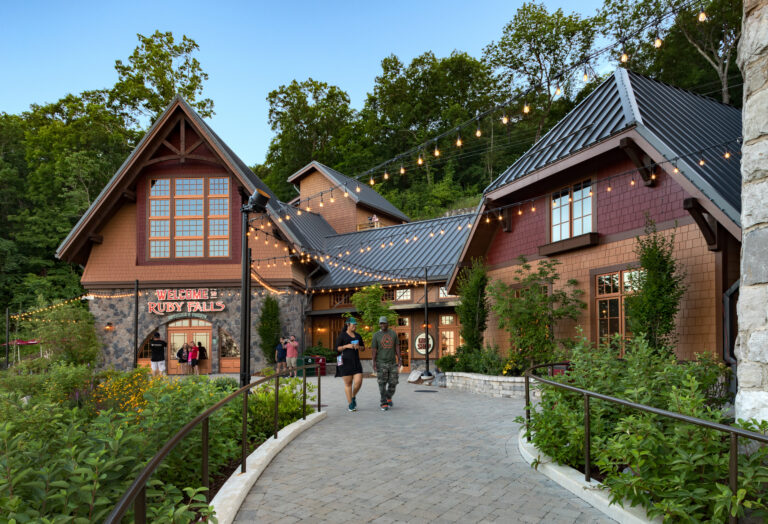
527 408
245 429
277 394
304 397
733 471
206 480
587 472
318 389
140 506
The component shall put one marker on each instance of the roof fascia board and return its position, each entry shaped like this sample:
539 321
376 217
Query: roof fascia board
690 181
453 275
627 95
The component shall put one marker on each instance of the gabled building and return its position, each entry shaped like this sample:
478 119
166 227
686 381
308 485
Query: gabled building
633 148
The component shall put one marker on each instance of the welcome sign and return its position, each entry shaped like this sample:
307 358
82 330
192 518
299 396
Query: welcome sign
199 300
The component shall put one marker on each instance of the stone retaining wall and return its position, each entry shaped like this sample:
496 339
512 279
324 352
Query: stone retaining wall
491 385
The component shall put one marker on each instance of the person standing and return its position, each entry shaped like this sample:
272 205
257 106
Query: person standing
182 355
349 344
292 355
280 355
157 348
386 362
194 353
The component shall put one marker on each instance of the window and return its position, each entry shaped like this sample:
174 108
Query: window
448 342
443 293
610 290
402 294
403 321
182 224
388 296
338 299
571 211
447 320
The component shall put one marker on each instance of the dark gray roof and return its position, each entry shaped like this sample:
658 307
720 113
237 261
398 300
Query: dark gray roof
674 121
367 195
439 254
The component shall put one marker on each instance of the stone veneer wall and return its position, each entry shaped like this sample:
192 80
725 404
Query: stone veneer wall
117 344
491 385
752 343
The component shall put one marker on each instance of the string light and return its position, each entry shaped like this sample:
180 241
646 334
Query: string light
402 169
420 161
702 14
386 175
346 193
526 107
727 155
478 133
701 162
624 57
458 141
437 151
321 200
632 182
357 189
657 42
504 119
371 181
586 76
557 90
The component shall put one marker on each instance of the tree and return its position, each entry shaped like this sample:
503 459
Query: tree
157 70
65 333
530 308
307 118
537 51
706 45
270 328
473 308
657 289
370 305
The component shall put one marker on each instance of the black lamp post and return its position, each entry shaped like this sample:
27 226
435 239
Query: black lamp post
426 324
256 203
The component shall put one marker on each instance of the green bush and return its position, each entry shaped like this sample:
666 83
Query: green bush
485 361
447 363
261 406
269 328
675 470
322 351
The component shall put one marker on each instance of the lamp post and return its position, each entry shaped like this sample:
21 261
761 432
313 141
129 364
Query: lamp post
257 202
426 324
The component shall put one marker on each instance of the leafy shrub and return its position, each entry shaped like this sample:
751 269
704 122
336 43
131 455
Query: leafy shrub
322 351
269 327
226 384
124 391
447 363
675 470
68 382
261 405
516 364
473 309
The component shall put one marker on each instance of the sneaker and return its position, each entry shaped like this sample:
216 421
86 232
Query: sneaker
389 402
384 406
352 406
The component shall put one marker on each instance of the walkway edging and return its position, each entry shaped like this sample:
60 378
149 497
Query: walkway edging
230 497
573 480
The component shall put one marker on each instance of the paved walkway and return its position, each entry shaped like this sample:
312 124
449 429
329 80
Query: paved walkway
444 456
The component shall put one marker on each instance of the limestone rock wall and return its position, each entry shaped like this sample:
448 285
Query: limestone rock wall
752 344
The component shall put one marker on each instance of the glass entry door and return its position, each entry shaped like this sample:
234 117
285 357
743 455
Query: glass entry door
404 346
188 331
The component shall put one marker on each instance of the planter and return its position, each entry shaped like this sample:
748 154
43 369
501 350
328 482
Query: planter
490 385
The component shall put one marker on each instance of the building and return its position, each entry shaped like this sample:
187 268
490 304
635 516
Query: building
161 250
633 147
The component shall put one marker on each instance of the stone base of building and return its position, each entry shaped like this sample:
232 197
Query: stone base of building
490 385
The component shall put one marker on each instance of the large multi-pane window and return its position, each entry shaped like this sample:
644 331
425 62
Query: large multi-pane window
571 211
610 291
189 217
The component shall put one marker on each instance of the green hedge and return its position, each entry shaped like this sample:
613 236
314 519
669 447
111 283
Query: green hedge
675 470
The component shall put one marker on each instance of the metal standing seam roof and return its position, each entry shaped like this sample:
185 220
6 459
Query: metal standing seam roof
674 121
438 254
367 195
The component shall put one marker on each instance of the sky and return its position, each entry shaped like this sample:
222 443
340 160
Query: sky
51 48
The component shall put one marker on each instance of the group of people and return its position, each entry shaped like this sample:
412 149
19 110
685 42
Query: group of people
189 356
286 355
384 355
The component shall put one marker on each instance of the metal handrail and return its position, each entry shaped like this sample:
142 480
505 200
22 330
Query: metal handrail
734 432
136 493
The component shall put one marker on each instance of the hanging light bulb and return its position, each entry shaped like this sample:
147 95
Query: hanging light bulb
609 188
526 107
298 211
437 151
357 189
321 200
624 57
332 199
632 182
402 169
657 42
371 181
727 155
504 119
558 90
386 175
458 141
478 133
586 76
520 211
420 161
702 15
701 162
346 193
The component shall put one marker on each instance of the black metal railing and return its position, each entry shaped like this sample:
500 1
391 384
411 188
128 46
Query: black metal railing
136 494
734 432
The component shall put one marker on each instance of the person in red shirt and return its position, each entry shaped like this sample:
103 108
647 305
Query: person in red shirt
292 355
194 354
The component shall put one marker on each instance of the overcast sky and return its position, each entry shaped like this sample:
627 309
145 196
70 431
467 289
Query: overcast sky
48 49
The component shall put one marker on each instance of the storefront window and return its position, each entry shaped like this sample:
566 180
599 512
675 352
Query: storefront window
180 227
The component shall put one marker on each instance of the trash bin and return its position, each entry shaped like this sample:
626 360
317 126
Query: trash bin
303 361
320 361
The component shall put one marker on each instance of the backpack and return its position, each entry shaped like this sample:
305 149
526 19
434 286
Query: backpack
203 353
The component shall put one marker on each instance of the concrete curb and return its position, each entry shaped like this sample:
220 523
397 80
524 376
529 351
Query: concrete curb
573 480
230 497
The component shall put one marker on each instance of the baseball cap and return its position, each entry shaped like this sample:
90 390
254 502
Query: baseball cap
351 321
383 320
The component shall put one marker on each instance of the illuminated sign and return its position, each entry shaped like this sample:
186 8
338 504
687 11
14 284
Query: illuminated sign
201 300
421 347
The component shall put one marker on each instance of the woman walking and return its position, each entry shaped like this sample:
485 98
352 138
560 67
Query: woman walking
348 345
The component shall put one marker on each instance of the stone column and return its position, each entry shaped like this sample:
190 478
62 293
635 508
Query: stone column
752 344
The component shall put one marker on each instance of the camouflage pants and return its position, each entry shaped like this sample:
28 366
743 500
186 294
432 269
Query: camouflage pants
387 375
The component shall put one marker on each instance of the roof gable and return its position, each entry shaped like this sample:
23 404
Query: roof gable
367 196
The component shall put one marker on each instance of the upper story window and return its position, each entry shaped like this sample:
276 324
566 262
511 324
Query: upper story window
402 294
443 293
571 211
189 218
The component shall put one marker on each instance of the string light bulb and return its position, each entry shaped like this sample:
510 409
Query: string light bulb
558 90
702 15
526 107
504 119
624 57
437 151
519 211
386 175
346 192
727 155
402 169
458 141
357 189
371 181
420 161
586 76
478 133
657 42
632 182
701 162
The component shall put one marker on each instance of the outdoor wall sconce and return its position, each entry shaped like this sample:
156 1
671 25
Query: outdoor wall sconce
109 327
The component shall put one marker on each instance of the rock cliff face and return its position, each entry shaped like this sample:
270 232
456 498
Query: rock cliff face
752 345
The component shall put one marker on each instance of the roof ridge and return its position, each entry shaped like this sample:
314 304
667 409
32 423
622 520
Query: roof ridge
407 224
631 73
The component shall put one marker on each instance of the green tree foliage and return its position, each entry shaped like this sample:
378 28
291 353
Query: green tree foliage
65 333
473 309
535 51
269 327
708 48
157 70
308 118
370 305
530 308
657 289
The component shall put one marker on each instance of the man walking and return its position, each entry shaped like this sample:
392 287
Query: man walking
386 362
157 347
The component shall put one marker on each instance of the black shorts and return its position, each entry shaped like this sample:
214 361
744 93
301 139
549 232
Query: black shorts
350 363
193 362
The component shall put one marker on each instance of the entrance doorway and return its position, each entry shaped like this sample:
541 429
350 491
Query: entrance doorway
188 330
403 331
